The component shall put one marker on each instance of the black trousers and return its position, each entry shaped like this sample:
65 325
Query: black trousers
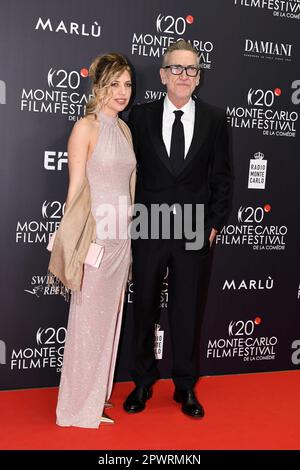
188 271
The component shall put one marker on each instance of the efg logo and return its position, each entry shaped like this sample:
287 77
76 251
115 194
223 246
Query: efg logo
252 230
296 354
2 92
55 160
261 115
170 29
2 352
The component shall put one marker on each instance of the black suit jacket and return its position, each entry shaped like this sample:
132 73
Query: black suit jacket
206 174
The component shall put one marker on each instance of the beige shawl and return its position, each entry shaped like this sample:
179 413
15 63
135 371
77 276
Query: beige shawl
75 233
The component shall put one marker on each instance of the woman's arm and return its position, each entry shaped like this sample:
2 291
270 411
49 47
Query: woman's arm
132 185
78 151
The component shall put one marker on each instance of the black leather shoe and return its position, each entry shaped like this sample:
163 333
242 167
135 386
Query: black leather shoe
136 401
189 403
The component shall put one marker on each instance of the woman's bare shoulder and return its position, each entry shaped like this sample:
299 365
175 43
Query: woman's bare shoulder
86 124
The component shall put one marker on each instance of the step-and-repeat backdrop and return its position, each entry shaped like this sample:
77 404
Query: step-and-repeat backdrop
250 67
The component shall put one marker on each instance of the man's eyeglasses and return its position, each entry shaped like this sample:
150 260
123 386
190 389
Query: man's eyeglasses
191 70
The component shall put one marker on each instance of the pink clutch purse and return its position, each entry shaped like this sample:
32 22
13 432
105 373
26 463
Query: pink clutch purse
94 254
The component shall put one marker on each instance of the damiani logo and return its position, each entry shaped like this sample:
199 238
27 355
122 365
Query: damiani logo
268 48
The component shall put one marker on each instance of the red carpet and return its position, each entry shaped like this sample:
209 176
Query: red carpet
255 411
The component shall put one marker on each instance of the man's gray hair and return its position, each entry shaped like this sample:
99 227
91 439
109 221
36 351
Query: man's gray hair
180 45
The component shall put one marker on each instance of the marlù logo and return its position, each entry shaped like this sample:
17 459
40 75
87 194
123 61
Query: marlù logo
75 29
289 9
169 30
249 284
260 114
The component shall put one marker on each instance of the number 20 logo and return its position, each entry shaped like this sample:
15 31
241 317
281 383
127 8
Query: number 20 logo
170 25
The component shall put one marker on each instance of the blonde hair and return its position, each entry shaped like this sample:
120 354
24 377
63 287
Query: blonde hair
180 45
102 71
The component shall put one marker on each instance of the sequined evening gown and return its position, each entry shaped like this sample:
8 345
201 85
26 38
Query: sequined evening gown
94 321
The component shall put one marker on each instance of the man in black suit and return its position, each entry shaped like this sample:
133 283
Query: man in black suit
181 147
